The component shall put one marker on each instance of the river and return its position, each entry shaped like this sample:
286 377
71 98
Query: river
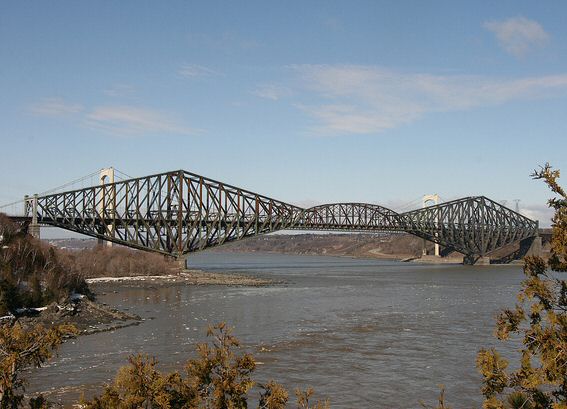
364 333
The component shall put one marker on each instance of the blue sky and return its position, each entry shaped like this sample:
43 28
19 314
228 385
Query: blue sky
307 102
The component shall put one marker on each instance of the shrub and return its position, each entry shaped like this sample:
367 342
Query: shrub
219 378
541 318
117 262
21 348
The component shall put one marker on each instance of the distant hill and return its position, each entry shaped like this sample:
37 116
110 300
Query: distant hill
389 246
380 245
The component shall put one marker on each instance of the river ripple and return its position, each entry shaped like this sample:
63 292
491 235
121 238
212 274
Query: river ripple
364 333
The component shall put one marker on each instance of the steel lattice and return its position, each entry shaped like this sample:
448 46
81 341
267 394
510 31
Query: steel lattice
473 226
171 213
179 212
349 216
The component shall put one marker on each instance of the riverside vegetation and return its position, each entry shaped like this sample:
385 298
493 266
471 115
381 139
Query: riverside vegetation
34 274
221 377
540 318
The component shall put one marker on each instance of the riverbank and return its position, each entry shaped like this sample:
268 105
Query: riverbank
91 317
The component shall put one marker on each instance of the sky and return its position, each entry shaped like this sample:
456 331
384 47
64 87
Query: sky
307 102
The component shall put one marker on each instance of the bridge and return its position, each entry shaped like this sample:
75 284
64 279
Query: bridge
179 212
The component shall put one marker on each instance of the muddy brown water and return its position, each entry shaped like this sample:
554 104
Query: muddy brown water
363 333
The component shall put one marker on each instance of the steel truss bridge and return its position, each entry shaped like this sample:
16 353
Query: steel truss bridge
178 212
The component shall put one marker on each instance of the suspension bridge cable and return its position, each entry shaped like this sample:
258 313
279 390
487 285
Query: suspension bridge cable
123 174
52 190
65 185
410 205
11 204
69 183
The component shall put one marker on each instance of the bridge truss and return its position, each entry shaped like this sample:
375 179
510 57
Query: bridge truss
179 212
171 213
474 226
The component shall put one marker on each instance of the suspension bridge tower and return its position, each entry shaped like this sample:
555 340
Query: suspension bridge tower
106 176
427 200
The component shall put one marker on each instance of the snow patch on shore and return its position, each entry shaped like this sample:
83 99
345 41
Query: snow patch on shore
133 278
23 310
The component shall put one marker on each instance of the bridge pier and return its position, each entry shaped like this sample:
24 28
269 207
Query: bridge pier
181 261
34 228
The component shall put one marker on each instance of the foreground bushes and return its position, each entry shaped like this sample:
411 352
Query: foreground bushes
539 381
21 348
219 378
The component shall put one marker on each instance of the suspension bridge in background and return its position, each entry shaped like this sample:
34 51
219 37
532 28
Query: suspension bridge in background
179 212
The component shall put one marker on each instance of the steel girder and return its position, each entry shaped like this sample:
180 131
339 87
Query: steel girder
179 212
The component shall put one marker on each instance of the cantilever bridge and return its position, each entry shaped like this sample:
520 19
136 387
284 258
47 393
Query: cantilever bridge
178 212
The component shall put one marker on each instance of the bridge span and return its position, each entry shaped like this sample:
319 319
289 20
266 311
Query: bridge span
179 212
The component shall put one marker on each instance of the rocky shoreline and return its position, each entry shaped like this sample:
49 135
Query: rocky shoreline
90 317
87 316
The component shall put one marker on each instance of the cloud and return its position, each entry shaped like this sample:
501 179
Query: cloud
129 120
542 213
351 119
55 107
119 120
517 35
367 99
119 90
271 91
195 70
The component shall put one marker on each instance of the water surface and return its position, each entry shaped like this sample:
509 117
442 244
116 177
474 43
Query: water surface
364 333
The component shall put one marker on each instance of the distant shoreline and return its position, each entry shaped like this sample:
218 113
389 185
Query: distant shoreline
403 258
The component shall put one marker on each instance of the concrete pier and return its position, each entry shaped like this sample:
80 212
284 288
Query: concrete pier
182 261
33 229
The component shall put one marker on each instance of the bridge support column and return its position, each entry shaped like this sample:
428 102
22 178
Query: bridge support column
435 199
34 229
106 176
531 246
182 261
436 250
